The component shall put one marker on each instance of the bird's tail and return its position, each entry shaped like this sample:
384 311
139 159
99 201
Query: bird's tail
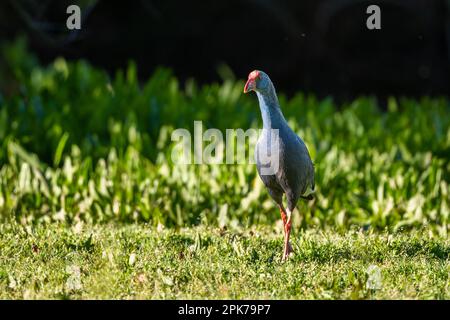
309 193
309 197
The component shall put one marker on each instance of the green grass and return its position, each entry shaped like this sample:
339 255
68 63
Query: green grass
82 262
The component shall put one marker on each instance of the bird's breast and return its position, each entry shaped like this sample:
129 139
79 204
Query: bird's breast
268 152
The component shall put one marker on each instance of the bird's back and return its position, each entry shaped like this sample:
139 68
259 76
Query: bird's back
295 171
282 158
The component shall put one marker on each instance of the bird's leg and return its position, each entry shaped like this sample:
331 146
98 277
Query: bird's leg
283 216
287 244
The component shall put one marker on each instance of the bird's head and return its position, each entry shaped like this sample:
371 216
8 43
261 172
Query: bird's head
257 81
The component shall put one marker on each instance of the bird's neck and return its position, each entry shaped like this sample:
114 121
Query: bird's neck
270 109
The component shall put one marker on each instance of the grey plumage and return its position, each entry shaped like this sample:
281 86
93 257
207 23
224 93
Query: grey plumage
294 175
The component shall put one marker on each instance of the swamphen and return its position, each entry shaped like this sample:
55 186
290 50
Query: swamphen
280 149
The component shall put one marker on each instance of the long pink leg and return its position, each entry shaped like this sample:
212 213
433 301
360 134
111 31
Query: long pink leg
287 245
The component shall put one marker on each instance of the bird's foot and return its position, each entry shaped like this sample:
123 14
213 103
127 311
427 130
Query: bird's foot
287 252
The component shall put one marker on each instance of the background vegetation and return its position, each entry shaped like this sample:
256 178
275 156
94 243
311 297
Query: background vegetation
91 205
77 144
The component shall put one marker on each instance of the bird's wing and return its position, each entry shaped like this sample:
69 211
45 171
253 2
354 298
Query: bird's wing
311 186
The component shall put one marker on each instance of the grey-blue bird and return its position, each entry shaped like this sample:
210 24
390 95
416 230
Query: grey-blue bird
282 159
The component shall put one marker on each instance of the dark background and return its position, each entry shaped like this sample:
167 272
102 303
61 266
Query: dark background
319 46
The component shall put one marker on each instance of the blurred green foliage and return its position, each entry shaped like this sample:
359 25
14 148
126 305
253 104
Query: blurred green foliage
77 144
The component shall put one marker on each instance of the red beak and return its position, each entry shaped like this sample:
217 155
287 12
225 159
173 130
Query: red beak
249 86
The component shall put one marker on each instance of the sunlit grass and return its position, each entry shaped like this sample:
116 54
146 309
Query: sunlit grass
138 261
